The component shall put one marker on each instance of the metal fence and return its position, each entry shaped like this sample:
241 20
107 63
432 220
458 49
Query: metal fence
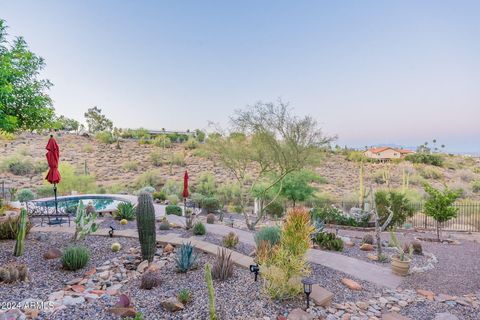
468 216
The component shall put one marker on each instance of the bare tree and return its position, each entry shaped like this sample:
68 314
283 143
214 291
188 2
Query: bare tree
266 140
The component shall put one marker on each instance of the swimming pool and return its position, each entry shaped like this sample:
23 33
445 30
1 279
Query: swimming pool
68 204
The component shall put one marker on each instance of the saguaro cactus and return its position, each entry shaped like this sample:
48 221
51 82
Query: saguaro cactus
146 225
22 229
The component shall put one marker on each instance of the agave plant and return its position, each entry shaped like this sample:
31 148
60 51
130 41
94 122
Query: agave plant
186 257
404 252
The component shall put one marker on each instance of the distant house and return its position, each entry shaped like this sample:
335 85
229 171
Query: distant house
386 153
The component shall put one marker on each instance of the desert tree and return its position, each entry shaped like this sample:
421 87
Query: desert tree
266 140
96 121
439 205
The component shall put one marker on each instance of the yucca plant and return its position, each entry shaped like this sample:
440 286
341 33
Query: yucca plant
75 258
186 257
125 210
223 266
404 252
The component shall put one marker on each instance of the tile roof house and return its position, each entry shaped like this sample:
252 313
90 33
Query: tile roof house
386 153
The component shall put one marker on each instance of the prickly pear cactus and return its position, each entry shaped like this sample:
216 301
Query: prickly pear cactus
84 222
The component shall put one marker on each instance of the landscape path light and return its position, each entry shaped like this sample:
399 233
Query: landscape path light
307 288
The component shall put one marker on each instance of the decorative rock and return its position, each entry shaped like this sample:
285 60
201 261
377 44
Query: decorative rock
299 314
12 314
52 253
349 244
352 285
372 257
78 288
104 275
394 316
172 304
123 312
74 281
321 296
445 316
142 266
426 293
57 295
168 248
366 247
70 301
91 272
362 305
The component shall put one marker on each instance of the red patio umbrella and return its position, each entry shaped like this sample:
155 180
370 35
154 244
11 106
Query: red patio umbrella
53 175
185 190
185 193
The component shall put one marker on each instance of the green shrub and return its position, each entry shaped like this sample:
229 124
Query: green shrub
397 202
73 181
75 258
191 144
368 238
162 141
130 165
173 209
157 158
178 159
425 158
10 227
430 173
173 199
210 204
105 137
44 191
184 296
185 257
329 241
199 229
25 195
151 178
21 167
230 241
275 210
476 186
206 184
269 234
173 187
332 215
159 195
125 210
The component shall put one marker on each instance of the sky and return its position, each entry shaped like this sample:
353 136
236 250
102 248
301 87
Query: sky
371 72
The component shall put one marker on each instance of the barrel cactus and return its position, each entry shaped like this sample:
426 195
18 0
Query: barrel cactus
146 225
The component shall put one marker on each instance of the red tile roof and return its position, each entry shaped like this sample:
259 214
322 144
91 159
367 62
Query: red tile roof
381 149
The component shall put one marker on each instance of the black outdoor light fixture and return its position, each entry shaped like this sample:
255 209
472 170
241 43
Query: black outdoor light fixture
255 269
111 231
307 288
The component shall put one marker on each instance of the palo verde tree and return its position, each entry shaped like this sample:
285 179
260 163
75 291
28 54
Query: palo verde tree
96 121
439 205
266 140
24 102
297 186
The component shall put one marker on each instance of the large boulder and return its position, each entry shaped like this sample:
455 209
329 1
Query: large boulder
321 296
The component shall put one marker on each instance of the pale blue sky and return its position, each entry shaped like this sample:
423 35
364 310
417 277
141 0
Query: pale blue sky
372 72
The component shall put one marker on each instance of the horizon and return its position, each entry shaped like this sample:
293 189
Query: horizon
371 73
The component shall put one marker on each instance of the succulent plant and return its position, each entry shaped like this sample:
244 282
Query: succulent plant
210 218
146 225
230 240
84 222
368 238
186 257
123 221
75 257
223 266
116 247
22 230
164 224
150 280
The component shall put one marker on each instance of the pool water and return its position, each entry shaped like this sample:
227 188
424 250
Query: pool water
70 204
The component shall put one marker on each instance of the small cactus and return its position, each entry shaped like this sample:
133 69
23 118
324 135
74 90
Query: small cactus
150 280
146 225
368 238
210 218
164 225
116 247
123 221
22 228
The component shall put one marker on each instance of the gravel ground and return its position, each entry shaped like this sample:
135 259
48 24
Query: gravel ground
107 222
426 310
47 275
457 271
237 298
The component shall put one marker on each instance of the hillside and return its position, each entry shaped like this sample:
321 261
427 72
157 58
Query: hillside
118 169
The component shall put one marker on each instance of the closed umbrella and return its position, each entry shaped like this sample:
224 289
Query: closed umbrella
185 193
53 175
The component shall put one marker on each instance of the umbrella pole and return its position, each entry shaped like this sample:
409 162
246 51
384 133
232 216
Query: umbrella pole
184 206
55 192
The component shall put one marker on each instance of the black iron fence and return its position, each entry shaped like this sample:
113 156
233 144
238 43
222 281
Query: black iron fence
467 219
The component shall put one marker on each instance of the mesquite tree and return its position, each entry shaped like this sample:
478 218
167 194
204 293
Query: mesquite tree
439 205
266 140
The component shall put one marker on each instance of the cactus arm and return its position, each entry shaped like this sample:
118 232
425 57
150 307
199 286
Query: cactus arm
20 244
